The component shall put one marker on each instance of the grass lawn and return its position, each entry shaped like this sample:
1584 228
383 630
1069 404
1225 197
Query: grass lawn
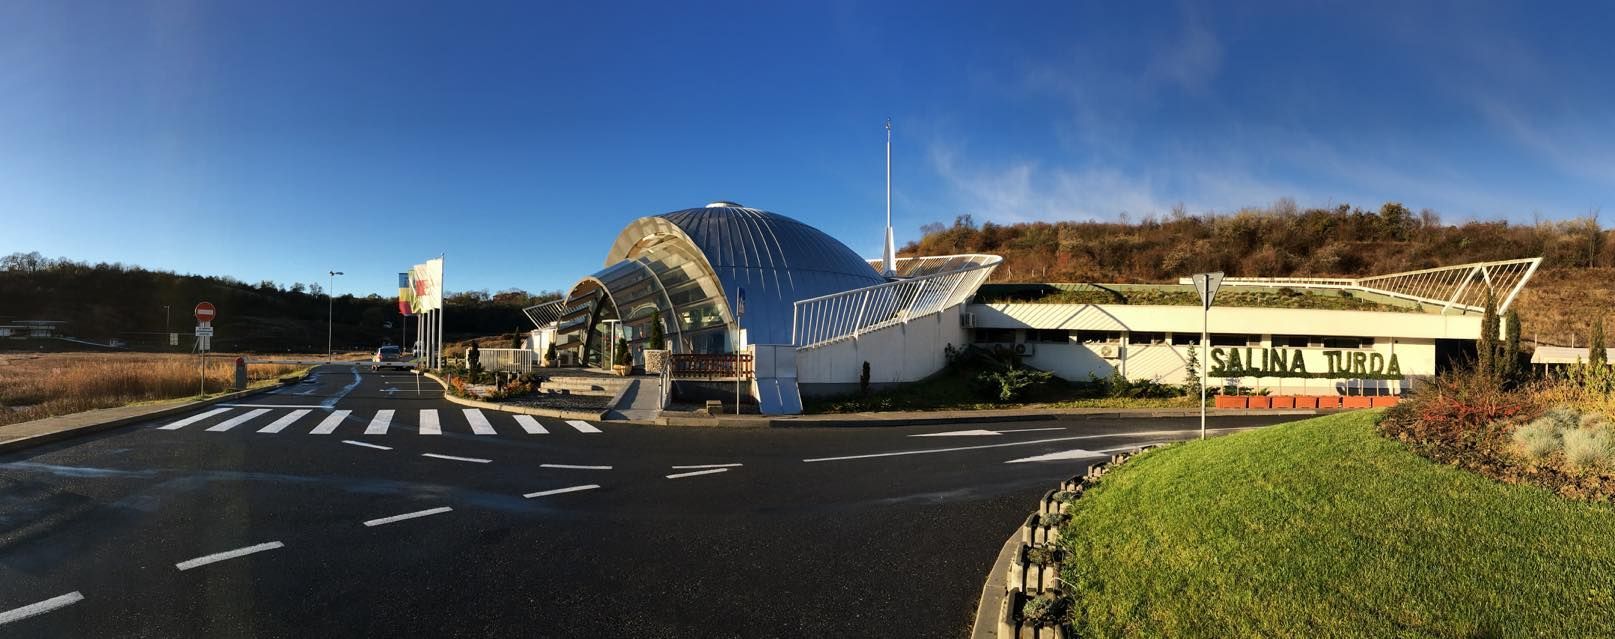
1321 528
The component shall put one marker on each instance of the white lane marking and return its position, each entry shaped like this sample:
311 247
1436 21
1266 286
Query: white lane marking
531 425
574 467
228 554
708 466
378 424
1075 453
330 402
429 423
273 405
331 422
1153 433
697 472
582 426
419 513
193 419
236 421
453 458
17 614
979 432
479 422
557 491
366 445
285 420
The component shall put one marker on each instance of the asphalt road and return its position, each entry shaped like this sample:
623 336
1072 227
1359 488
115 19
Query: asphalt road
216 528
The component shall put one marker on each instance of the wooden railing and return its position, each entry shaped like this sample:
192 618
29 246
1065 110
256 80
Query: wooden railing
711 365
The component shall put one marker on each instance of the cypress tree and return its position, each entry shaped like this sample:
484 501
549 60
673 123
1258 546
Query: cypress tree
1486 356
658 338
1511 348
1596 356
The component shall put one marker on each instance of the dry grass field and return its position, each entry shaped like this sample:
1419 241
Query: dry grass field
35 386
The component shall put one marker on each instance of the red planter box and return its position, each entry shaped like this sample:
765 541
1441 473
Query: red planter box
1383 401
1231 401
1329 401
1261 401
1284 401
1357 401
1305 401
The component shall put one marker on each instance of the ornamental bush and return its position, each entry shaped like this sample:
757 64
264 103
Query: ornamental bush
1009 385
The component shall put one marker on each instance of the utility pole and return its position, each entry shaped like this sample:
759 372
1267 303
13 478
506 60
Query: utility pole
330 313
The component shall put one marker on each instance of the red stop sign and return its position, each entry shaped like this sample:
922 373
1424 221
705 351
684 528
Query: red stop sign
204 312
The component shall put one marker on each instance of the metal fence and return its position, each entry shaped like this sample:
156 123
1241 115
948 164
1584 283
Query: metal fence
929 285
507 359
1463 286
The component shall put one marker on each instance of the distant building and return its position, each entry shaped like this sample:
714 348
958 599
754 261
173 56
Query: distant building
19 329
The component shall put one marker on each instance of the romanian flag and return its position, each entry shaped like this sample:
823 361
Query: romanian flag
406 295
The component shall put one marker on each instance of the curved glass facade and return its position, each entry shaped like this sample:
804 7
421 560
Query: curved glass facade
690 266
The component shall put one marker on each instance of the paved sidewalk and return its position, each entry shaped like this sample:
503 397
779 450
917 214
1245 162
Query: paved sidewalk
922 418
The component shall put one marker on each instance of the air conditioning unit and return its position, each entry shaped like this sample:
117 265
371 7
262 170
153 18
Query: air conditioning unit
967 320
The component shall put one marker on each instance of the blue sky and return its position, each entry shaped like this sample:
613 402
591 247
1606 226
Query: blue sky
281 140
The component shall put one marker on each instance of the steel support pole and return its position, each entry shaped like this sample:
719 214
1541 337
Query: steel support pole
1205 354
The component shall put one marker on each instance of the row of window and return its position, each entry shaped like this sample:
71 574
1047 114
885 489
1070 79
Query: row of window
1058 336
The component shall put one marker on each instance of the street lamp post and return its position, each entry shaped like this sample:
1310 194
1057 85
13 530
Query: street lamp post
330 313
166 326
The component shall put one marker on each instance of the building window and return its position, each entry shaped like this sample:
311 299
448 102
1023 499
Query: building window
1294 341
1184 339
1348 342
1099 337
1234 339
1137 337
995 336
1048 336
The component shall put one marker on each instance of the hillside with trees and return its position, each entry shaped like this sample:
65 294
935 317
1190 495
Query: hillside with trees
114 301
1573 287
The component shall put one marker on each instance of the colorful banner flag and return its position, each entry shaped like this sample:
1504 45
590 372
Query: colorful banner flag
406 295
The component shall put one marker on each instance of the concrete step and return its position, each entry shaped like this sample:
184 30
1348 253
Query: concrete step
585 385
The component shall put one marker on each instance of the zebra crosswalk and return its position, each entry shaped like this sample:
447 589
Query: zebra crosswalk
270 420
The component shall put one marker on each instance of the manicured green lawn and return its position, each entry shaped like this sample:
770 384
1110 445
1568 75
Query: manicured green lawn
1321 528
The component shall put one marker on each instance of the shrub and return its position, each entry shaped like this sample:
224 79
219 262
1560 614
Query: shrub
1589 448
658 335
1010 385
1536 440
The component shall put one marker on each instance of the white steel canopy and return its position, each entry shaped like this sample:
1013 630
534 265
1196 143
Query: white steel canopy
1462 287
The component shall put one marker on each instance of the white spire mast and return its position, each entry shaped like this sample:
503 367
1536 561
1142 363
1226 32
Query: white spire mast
889 257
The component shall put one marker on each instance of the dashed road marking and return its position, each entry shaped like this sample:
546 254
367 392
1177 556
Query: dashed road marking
192 420
419 513
574 467
429 423
331 422
698 472
473 460
531 425
557 491
18 614
285 420
228 554
366 444
378 424
479 422
582 426
708 466
236 421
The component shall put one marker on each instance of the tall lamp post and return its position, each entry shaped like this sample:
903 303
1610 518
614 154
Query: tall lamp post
330 313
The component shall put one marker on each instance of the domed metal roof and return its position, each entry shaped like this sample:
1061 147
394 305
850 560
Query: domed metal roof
776 259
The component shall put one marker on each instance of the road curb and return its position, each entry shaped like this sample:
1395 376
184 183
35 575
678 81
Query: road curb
876 421
998 612
40 439
522 410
